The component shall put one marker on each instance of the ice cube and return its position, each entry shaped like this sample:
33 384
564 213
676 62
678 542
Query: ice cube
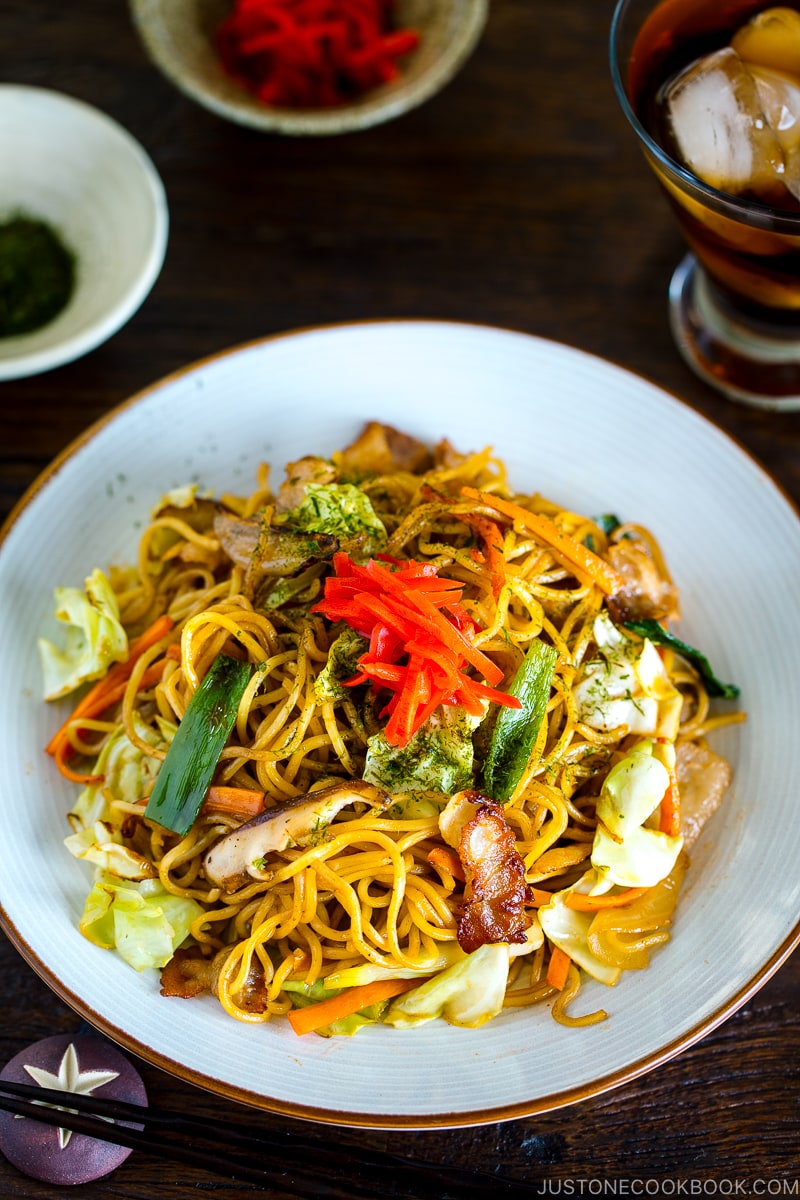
779 96
771 39
720 128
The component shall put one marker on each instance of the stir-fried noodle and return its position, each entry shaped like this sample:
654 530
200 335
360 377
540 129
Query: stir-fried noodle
398 825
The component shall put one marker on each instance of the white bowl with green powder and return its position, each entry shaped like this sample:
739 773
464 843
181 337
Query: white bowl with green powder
83 228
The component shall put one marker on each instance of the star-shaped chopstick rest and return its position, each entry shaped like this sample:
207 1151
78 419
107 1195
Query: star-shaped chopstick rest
81 1064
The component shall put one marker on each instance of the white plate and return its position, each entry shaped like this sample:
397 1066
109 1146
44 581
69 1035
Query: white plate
592 437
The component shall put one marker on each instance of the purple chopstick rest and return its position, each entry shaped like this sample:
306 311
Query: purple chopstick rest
79 1063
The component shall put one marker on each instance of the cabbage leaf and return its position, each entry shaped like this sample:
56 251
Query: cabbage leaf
439 757
304 994
340 509
128 774
469 993
142 921
624 852
95 638
567 928
627 685
103 846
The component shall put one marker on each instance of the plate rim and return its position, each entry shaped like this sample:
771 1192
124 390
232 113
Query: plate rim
452 1120
362 1119
91 430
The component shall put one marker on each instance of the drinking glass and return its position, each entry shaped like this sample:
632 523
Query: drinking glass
734 299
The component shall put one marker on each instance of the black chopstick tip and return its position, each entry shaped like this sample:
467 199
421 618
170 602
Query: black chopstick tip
85 1064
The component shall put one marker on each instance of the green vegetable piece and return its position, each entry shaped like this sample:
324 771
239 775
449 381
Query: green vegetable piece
343 655
516 729
94 641
608 522
661 636
340 509
191 760
438 758
142 921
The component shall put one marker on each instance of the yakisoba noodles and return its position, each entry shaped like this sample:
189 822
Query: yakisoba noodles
384 741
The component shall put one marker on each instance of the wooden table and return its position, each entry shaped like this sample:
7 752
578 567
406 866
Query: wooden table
516 197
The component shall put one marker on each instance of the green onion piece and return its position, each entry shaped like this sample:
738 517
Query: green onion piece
661 636
608 522
187 770
605 521
517 729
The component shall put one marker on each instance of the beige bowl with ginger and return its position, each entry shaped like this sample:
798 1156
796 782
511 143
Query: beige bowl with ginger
179 37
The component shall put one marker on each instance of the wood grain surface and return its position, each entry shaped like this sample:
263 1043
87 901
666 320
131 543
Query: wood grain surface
516 197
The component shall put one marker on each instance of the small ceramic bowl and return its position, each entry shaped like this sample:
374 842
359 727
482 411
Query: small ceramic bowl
74 168
179 37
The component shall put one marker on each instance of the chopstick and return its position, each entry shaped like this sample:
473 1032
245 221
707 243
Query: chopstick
299 1165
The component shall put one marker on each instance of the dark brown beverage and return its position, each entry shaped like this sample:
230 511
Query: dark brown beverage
746 231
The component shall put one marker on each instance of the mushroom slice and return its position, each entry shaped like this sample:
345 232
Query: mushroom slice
235 859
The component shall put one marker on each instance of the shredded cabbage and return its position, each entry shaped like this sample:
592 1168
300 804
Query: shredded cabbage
178 497
348 1026
343 655
632 790
102 845
142 921
627 685
128 774
469 993
643 859
414 806
624 851
567 928
437 758
95 637
341 509
163 536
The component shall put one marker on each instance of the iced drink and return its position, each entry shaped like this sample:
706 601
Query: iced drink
716 83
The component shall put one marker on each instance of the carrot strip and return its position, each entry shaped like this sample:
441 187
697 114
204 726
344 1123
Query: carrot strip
237 801
576 554
426 616
111 697
540 897
584 903
67 772
448 860
670 818
102 701
414 693
119 673
558 968
315 1016
493 546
